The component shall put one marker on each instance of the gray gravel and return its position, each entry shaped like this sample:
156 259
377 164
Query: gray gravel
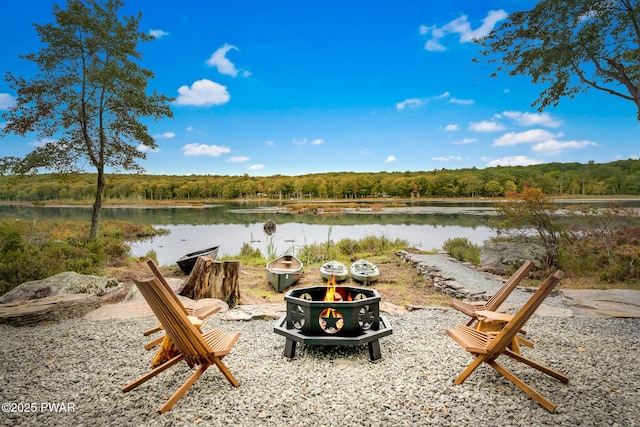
84 364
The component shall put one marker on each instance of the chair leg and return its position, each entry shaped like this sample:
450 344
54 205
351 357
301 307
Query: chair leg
183 388
153 343
151 331
555 374
523 386
469 369
152 373
225 371
525 341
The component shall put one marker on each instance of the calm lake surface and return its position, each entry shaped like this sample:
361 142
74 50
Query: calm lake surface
229 225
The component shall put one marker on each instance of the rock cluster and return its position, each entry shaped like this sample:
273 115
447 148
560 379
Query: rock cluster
442 281
64 296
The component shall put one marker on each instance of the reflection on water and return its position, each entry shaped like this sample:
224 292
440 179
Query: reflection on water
187 238
228 226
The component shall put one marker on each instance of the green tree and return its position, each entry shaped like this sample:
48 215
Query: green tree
572 46
86 102
532 210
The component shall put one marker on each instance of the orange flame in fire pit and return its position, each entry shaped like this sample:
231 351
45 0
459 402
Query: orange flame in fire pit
330 320
331 290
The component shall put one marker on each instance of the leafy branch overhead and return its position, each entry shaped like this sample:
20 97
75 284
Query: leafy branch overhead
570 47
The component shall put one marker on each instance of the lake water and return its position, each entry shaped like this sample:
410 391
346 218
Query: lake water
229 225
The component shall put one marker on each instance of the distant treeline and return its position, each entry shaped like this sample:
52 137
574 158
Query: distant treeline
592 179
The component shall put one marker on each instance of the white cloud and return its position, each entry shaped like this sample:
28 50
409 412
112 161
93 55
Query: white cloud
196 149
514 161
451 127
6 101
447 158
165 135
553 147
390 159
462 28
238 159
461 101
156 34
317 141
256 167
413 103
269 143
202 93
219 60
533 119
526 137
466 141
486 126
410 103
146 149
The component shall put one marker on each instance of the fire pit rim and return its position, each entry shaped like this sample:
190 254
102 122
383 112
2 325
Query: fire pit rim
371 296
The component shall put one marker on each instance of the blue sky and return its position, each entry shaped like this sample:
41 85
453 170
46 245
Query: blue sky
295 87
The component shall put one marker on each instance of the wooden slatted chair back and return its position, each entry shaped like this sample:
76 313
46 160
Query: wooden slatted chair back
511 329
183 334
156 272
505 290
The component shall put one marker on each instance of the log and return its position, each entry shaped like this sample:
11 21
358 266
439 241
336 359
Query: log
213 279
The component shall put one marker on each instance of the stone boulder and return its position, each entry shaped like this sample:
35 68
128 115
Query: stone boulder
502 257
68 283
47 309
63 296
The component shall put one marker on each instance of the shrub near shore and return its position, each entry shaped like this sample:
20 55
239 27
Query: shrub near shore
38 249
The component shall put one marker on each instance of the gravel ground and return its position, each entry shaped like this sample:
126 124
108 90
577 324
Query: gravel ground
83 364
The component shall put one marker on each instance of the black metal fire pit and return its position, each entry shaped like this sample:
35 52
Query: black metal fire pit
352 318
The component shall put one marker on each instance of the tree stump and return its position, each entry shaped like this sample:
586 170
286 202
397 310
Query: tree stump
213 279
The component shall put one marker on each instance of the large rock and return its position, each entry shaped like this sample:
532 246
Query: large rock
63 296
501 257
68 283
47 309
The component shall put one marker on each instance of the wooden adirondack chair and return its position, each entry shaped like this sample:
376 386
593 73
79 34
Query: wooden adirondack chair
201 313
487 347
493 303
195 348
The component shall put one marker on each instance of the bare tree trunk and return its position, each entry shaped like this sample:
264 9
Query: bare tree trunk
213 279
97 206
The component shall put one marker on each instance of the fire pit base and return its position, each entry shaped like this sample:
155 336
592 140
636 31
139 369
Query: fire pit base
369 337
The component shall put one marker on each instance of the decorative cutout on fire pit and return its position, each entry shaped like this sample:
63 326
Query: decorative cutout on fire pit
296 314
366 317
330 321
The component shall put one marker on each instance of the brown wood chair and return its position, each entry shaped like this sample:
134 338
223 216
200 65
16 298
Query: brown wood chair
487 346
201 313
496 300
195 348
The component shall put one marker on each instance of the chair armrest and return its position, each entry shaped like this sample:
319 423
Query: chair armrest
493 316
